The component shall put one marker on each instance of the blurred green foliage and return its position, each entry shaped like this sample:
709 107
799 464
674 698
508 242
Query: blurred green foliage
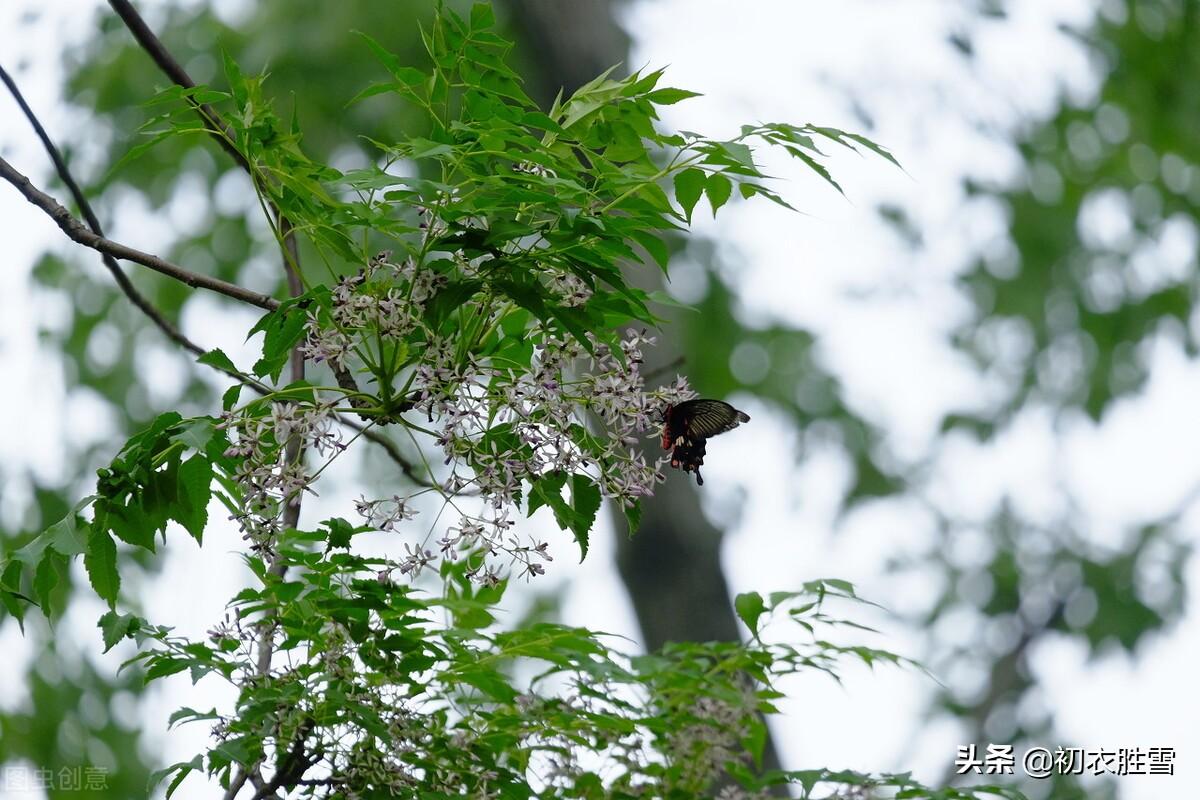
1079 279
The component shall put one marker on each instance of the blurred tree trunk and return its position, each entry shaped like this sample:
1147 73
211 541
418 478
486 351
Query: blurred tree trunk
567 43
672 567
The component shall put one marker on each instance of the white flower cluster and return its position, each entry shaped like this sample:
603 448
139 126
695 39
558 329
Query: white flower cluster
270 468
571 289
502 429
392 312
577 409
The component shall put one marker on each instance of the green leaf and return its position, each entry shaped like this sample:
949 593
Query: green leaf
237 81
138 150
101 564
13 601
816 167
31 553
482 17
633 516
186 714
230 398
756 738
424 148
749 607
195 489
196 433
66 537
182 770
46 577
689 185
408 76
134 523
116 627
547 490
668 96
340 532
718 188
283 328
217 358
736 155
878 149
490 682
653 245
585 500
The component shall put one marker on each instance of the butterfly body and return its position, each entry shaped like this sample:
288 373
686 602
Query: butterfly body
688 425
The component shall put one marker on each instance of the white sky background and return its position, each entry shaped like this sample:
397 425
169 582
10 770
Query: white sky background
764 61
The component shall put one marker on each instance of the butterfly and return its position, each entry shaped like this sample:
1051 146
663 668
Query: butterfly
687 425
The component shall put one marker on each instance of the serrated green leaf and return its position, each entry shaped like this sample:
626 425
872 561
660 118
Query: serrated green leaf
100 561
116 627
195 433
195 489
217 358
482 17
633 516
655 246
66 537
816 167
282 330
585 502
46 577
406 75
230 398
237 81
138 150
31 553
547 491
183 769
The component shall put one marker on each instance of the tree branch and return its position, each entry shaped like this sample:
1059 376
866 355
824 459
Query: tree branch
80 233
291 767
146 307
175 71
224 135
140 301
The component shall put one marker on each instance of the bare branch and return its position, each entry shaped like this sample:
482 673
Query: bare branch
140 301
224 135
175 71
80 233
675 363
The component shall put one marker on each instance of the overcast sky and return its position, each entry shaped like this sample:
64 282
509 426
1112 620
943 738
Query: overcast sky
772 61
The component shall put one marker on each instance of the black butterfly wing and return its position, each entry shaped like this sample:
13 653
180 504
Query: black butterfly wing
701 419
688 425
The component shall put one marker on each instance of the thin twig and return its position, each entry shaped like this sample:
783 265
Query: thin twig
143 304
659 370
80 233
140 301
223 133
145 37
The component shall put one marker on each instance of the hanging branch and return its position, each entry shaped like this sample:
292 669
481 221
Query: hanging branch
139 300
80 233
145 37
223 133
